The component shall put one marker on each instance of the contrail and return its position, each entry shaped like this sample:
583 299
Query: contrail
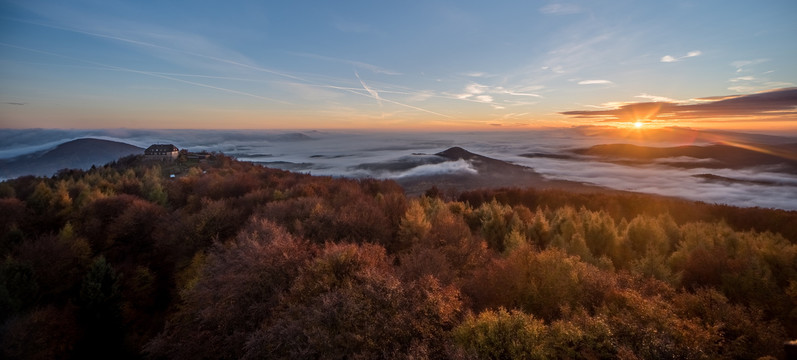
372 93
161 47
118 68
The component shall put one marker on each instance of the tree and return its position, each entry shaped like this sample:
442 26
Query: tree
503 334
348 303
48 332
60 262
18 287
100 312
237 290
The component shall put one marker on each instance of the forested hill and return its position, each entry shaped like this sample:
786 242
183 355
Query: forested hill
232 260
77 154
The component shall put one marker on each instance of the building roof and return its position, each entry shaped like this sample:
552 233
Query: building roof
162 148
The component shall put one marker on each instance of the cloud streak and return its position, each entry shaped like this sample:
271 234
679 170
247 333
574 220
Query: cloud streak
595 82
371 91
148 73
780 102
670 58
561 9
246 65
359 64
475 92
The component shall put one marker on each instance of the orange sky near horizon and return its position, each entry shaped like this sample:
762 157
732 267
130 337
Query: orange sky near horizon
417 66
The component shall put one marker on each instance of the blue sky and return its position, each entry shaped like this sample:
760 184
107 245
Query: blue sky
390 65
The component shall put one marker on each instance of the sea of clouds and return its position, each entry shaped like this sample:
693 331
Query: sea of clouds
359 154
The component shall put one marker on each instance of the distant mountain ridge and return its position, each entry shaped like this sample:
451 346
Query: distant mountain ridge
721 156
75 154
491 173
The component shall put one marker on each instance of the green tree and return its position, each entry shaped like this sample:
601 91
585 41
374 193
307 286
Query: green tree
99 308
18 287
502 334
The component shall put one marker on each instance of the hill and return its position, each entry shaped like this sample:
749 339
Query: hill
711 156
230 259
75 154
484 172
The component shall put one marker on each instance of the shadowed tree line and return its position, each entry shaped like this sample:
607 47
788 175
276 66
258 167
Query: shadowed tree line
233 260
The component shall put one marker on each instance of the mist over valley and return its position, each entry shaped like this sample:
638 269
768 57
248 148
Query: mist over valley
739 169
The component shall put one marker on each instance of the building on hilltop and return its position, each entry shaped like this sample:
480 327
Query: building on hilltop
162 152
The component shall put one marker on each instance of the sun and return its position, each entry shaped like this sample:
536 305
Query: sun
638 124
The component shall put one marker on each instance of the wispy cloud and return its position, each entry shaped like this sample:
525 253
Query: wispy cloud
148 73
759 85
595 82
174 45
498 97
561 9
577 51
752 83
474 89
778 102
422 95
371 91
557 69
742 78
218 56
358 64
740 65
484 98
670 58
656 98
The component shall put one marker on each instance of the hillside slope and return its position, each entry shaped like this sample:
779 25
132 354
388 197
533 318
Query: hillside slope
486 173
712 156
75 154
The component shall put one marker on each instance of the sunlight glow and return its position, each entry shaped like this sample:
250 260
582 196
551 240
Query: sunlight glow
638 124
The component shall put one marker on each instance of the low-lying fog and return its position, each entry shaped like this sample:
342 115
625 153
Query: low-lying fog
393 155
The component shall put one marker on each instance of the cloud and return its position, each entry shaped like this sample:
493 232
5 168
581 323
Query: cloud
359 64
557 69
475 89
756 85
750 83
475 74
341 150
742 78
741 64
421 95
14 103
684 183
670 58
371 91
781 102
594 82
480 93
656 98
561 9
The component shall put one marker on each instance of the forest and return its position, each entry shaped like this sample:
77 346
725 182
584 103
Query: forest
232 260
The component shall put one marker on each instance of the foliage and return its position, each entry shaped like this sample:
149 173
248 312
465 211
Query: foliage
234 260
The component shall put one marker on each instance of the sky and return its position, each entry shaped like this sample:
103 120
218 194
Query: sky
389 65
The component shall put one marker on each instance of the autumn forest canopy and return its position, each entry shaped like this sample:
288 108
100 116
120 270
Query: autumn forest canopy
231 260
